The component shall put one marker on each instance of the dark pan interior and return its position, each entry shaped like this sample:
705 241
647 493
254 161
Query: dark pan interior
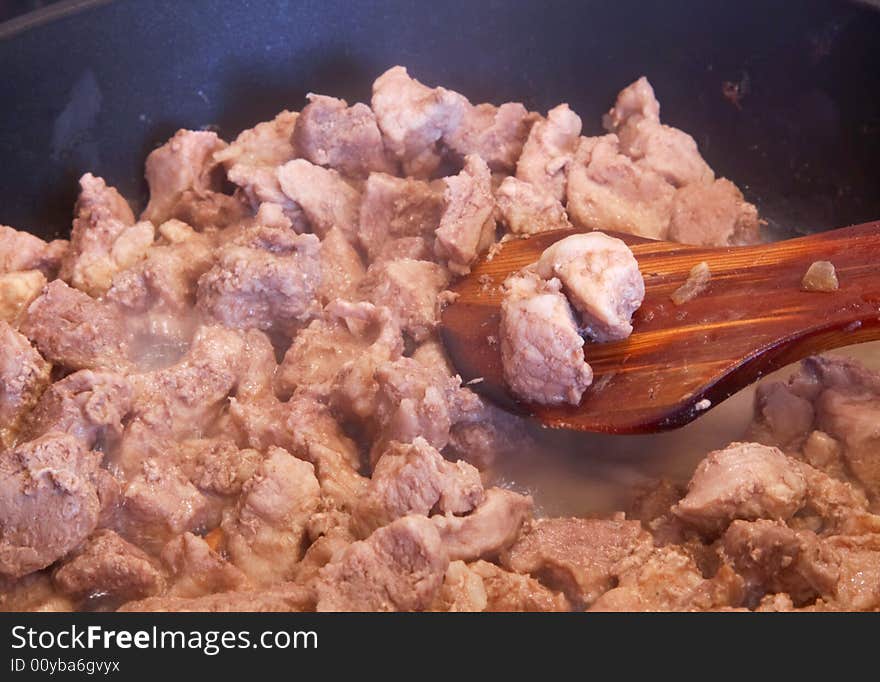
97 88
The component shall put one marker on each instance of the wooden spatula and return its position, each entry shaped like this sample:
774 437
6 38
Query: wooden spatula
681 360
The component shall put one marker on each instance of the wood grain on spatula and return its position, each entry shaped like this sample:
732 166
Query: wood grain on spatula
753 318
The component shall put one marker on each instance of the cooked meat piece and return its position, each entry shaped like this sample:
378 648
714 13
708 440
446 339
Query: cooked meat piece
820 276
462 591
506 591
342 269
696 283
330 133
654 501
48 501
541 351
197 570
668 151
264 533
21 251
415 479
324 196
858 587
397 208
105 565
601 278
414 248
104 238
713 214
17 290
409 289
74 330
525 209
216 465
781 417
635 102
400 567
607 191
743 481
33 593
23 377
88 405
467 226
495 134
265 279
669 580
282 597
485 434
413 118
326 548
490 528
582 558
548 151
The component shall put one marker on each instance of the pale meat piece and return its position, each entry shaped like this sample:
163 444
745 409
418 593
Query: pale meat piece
462 591
17 291
107 567
278 598
607 191
526 209
217 466
548 151
713 214
489 529
486 434
743 481
324 196
48 501
104 238
415 248
781 417
413 118
506 591
858 587
409 289
395 209
330 133
415 479
495 134
583 558
467 226
197 570
601 278
20 251
74 330
400 567
635 102
342 269
33 593
24 375
264 279
541 351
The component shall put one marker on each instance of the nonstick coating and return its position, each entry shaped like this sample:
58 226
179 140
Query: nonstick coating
97 88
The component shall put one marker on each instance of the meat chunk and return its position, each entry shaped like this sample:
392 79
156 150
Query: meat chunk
330 133
415 479
20 251
17 290
33 593
506 591
280 598
601 278
467 225
583 558
397 208
48 501
325 198
462 591
413 118
713 214
541 351
548 151
342 269
74 330
197 570
108 567
781 417
607 191
409 289
24 374
265 279
858 587
264 533
526 209
217 466
635 102
743 481
495 134
400 567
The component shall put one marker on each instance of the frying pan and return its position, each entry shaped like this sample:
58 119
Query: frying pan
96 85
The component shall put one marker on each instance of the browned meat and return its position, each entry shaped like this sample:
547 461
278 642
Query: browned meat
324 196
217 466
713 214
197 570
23 377
17 290
541 351
583 558
108 567
409 289
415 479
74 330
858 587
330 133
413 118
342 269
496 134
467 226
506 591
526 209
462 591
283 597
48 501
400 567
20 251
32 593
548 151
265 279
